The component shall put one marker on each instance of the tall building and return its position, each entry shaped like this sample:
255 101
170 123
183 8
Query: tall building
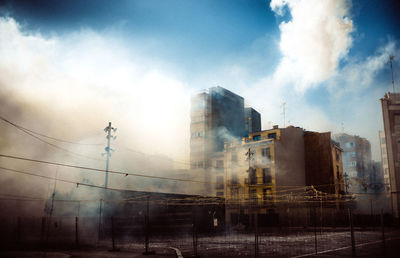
384 159
252 120
391 122
217 117
323 160
356 161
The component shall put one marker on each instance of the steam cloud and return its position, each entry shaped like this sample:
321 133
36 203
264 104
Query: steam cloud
313 42
70 88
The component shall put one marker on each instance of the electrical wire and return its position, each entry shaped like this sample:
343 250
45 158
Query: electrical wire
103 170
46 136
48 143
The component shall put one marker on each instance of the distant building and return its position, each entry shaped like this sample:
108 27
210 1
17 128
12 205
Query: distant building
385 164
391 121
217 117
252 120
323 160
356 161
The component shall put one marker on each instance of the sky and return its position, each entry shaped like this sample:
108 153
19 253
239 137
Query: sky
69 67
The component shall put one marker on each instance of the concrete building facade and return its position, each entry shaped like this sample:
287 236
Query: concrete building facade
384 162
391 122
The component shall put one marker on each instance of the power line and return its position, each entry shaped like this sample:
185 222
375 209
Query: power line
103 170
64 180
30 132
170 201
49 143
46 136
139 175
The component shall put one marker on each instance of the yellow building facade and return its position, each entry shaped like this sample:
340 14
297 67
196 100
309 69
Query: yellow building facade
249 174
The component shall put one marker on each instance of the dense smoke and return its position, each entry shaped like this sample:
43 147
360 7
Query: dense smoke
70 88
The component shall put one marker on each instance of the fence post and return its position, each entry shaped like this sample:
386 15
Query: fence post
353 244
194 234
147 228
256 234
99 235
315 231
76 232
43 230
114 249
383 234
18 230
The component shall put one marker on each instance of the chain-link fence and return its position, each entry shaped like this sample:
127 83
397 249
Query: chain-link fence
209 230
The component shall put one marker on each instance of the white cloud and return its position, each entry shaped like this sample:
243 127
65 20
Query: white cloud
313 42
357 75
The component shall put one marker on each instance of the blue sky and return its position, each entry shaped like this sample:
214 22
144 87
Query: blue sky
327 61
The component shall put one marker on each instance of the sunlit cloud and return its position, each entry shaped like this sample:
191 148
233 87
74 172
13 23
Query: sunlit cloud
313 41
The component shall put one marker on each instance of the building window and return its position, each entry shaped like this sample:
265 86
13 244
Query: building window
267 194
265 152
349 144
219 164
337 172
252 176
253 194
272 136
352 164
266 174
383 140
235 193
234 178
234 157
220 182
337 155
197 164
256 137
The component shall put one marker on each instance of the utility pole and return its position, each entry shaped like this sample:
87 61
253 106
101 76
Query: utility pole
391 69
109 129
249 156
